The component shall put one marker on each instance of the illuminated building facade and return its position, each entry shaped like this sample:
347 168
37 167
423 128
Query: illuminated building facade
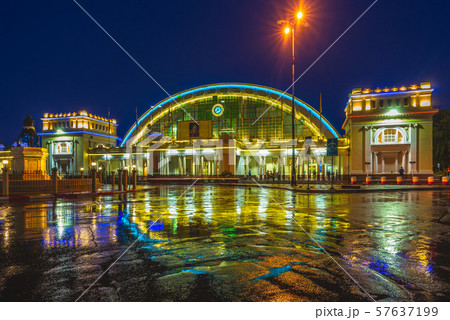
230 128
68 137
389 129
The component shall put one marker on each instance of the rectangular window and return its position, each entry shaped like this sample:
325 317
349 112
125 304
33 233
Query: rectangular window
381 103
389 135
389 103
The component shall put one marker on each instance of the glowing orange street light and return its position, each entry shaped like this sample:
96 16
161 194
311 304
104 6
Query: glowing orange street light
289 27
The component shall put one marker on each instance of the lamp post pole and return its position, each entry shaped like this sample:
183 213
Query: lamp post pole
293 175
290 26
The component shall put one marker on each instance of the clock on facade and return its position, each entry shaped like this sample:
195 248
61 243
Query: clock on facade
217 110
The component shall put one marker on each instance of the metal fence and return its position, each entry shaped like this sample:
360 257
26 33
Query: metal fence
42 182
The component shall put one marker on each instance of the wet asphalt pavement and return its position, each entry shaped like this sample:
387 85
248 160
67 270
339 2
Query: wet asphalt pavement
218 243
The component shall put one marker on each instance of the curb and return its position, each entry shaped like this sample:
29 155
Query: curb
312 190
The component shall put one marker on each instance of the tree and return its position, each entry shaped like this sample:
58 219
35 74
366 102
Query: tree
441 140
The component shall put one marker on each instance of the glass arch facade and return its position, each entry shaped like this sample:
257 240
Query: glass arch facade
249 111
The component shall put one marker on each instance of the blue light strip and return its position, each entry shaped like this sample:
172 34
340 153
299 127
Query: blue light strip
231 85
65 133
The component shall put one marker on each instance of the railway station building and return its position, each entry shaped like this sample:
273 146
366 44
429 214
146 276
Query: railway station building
243 129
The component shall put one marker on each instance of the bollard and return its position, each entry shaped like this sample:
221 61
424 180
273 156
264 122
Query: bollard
134 179
444 180
399 180
383 180
415 180
5 182
368 180
353 180
54 180
94 178
430 180
119 179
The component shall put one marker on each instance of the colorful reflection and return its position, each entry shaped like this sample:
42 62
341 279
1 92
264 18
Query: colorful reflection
241 234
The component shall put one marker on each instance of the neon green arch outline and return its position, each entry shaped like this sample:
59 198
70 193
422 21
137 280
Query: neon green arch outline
244 90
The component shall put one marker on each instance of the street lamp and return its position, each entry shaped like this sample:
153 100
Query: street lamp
289 27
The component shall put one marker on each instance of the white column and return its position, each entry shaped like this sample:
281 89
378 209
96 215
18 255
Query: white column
404 157
382 163
367 145
215 164
162 164
167 165
201 165
197 165
279 166
376 163
396 163
413 150
259 167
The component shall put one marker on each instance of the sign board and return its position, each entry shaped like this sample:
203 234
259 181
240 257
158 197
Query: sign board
188 130
332 147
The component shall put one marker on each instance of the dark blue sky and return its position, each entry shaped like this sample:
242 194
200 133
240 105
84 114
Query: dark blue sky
53 58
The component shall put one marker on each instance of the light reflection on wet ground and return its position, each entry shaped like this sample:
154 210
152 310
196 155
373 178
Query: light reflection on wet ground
228 244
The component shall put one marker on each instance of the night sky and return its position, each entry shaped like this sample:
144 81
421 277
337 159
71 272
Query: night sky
55 59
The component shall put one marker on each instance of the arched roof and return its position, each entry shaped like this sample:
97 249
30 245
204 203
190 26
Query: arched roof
279 99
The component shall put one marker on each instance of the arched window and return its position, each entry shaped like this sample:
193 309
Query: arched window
63 148
390 135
